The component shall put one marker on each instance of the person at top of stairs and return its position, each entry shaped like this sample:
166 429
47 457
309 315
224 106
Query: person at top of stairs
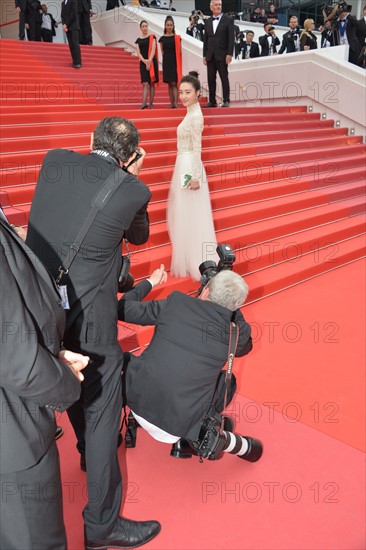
70 25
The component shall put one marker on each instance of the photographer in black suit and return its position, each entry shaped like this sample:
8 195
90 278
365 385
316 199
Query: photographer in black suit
178 380
218 49
291 38
196 29
269 41
348 33
249 48
36 379
67 189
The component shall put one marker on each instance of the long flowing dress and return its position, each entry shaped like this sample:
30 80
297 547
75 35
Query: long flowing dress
190 222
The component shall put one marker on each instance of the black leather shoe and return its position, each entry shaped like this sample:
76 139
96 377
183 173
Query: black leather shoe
209 104
77 66
255 450
182 449
126 534
225 104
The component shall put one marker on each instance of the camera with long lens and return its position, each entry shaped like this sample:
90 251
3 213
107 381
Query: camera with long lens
213 441
210 268
333 10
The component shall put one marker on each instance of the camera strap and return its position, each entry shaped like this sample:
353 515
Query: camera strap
98 202
233 344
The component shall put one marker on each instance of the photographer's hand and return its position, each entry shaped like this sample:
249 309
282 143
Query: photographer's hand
136 166
159 276
75 361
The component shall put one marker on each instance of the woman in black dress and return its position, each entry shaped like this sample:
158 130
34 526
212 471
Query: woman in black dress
172 59
146 50
308 40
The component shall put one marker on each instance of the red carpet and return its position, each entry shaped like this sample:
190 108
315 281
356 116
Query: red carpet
288 194
307 491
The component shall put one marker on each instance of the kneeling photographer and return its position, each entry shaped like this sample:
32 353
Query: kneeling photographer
176 389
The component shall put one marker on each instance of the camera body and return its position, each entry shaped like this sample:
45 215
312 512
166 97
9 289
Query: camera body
212 439
125 278
209 268
333 10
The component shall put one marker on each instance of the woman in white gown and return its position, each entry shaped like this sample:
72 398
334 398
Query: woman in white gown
190 222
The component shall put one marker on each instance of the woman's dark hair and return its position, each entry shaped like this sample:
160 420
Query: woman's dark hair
118 136
169 18
192 78
143 21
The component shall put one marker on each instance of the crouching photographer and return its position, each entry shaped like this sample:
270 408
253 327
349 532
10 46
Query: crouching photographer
176 389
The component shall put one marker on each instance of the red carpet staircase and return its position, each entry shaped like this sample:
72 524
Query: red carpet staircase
287 188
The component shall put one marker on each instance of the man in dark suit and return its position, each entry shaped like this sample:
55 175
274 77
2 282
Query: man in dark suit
178 380
269 41
111 4
33 20
84 13
218 49
48 25
67 185
249 48
70 25
36 379
21 7
348 32
291 38
328 33
362 29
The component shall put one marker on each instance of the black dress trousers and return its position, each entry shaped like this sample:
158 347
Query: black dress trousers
73 40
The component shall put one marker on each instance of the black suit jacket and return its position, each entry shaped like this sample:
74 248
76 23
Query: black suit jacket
362 31
263 41
22 4
66 186
172 383
254 49
327 36
33 381
84 5
69 14
353 37
288 43
221 43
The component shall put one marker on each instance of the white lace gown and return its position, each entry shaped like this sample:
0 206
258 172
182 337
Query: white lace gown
190 222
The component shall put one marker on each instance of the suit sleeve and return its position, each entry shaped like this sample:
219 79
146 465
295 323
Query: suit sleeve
231 37
131 310
283 45
205 40
245 343
139 230
28 369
